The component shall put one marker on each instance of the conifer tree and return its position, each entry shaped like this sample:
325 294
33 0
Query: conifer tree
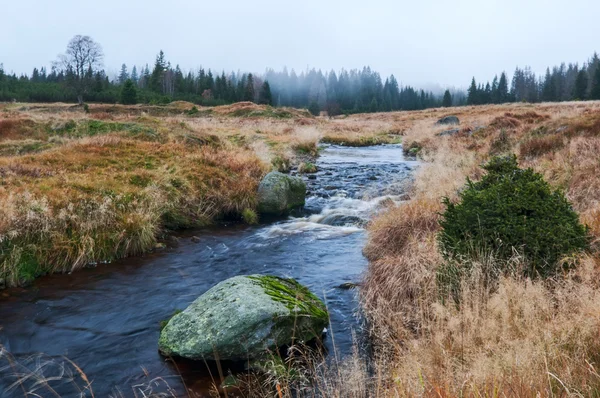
264 96
314 108
123 75
156 79
472 93
447 101
581 85
249 89
128 93
134 75
503 89
595 94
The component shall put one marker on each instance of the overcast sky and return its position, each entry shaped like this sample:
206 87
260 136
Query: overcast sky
419 41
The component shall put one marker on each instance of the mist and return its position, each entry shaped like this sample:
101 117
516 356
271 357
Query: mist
425 44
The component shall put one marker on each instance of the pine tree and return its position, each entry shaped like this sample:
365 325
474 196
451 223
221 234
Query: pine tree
156 79
472 93
595 94
581 84
123 75
314 108
249 89
264 96
128 93
134 75
447 101
503 89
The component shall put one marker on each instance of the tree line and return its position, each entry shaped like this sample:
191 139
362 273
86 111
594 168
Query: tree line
77 76
560 83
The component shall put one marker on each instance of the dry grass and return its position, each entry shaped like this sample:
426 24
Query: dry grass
155 167
518 338
81 188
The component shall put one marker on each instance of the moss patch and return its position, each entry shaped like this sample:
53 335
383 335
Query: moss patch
293 295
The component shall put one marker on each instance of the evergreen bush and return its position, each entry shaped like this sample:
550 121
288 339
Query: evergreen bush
512 210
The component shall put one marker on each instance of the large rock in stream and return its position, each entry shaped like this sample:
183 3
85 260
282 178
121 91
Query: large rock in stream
279 193
242 318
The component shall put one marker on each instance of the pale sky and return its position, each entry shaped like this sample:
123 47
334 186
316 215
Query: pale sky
419 41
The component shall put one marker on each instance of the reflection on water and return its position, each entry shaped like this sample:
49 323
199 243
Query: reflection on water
107 319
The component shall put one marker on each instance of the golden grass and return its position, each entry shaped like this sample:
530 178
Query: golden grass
162 167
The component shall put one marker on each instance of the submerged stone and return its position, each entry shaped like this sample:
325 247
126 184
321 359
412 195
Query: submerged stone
279 193
243 318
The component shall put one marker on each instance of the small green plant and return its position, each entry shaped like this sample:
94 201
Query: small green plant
511 211
281 163
249 216
86 108
412 149
193 111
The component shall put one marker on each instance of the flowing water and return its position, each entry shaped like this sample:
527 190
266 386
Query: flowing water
106 319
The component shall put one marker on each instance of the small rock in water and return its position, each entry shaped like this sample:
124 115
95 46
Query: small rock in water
172 241
160 247
195 239
312 177
279 193
348 286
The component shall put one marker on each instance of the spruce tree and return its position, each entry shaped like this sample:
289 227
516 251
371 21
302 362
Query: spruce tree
503 89
128 93
123 75
314 108
156 79
264 96
447 101
595 94
472 93
581 84
134 74
249 88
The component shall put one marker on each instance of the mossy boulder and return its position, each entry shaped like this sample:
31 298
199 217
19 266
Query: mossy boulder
279 193
243 318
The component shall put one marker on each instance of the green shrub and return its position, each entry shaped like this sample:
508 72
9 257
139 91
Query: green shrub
193 111
511 210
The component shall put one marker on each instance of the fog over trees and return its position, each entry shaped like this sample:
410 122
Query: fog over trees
78 76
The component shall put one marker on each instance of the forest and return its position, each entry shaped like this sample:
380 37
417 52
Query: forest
345 92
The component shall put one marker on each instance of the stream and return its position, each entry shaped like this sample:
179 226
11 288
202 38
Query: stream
106 319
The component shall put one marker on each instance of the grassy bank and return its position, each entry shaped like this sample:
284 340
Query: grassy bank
514 338
82 187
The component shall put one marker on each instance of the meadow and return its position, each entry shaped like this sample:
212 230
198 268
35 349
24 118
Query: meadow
79 188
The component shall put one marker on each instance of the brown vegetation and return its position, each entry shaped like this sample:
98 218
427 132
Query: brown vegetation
519 337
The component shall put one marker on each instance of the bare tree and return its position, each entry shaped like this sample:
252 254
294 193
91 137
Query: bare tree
81 60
